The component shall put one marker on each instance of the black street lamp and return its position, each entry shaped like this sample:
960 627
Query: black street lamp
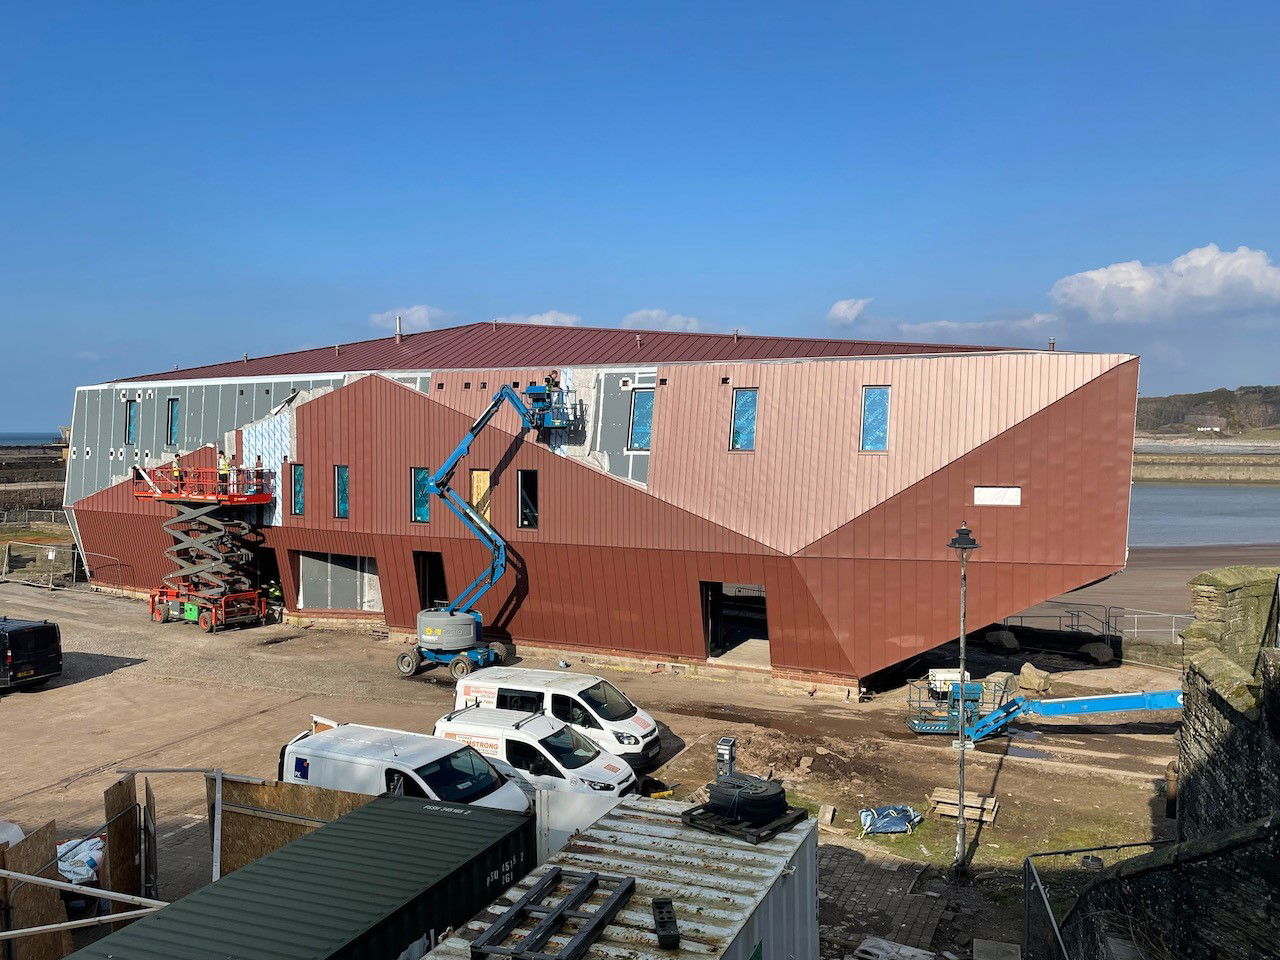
963 544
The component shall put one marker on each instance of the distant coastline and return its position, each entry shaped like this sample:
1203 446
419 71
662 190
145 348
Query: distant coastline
1203 460
33 438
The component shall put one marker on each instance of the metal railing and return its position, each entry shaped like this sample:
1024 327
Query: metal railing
1046 903
58 565
1152 626
24 517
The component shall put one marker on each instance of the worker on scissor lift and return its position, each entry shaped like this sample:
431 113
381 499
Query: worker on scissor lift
177 475
224 472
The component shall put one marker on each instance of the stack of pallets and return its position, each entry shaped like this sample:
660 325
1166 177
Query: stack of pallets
976 806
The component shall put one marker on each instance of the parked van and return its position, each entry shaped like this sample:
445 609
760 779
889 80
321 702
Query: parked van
591 705
375 760
552 755
30 652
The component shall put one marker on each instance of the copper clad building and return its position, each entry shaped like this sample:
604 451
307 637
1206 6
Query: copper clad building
797 493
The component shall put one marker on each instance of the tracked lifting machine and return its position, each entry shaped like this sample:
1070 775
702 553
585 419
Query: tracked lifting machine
453 634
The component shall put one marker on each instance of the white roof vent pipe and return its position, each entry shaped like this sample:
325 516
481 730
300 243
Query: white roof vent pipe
399 330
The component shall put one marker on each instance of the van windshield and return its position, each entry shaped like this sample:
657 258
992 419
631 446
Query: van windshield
608 702
461 777
569 748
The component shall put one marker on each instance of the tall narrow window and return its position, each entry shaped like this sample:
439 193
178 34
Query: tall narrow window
341 505
174 420
421 495
742 432
131 422
527 487
641 420
299 505
875 419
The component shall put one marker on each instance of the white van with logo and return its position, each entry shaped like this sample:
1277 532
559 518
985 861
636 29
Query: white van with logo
549 754
375 760
591 705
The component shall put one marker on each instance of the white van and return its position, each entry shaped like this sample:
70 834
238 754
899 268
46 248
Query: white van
375 760
591 705
550 754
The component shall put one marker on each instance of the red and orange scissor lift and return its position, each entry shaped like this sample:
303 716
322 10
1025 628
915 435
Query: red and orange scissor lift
213 584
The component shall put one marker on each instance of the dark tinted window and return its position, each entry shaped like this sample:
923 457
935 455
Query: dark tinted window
525 756
461 777
525 701
570 748
608 701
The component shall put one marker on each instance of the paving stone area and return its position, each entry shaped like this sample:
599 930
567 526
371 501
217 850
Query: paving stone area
867 893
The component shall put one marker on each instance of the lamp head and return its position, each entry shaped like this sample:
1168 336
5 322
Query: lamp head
963 543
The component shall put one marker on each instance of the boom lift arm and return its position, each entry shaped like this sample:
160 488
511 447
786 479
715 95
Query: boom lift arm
472 519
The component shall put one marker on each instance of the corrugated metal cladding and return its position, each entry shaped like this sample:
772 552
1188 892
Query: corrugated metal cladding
364 887
731 897
489 345
849 546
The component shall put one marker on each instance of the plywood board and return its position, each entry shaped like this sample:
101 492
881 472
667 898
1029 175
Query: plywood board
258 818
34 906
122 859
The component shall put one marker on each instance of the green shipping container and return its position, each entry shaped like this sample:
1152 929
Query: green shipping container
364 887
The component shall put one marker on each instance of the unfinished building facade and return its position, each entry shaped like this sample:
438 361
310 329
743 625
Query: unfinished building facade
720 493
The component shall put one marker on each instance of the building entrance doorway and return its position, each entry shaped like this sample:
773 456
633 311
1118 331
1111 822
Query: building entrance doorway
735 623
428 570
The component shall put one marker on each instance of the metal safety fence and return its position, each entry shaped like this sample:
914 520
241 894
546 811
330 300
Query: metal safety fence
57 565
25 517
1052 882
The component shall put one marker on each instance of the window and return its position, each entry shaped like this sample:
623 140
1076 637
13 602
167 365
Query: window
298 507
461 777
608 701
131 421
336 581
421 495
569 748
400 784
174 420
875 419
997 496
527 757
341 505
571 711
527 491
526 701
742 430
641 420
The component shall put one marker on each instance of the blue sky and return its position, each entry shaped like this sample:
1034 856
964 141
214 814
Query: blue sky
185 182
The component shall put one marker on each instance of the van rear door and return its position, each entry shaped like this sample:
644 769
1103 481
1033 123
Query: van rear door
32 652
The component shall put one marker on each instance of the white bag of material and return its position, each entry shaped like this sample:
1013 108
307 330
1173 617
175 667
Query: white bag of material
78 859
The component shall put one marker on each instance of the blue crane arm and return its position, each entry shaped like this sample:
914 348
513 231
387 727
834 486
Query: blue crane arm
998 719
472 519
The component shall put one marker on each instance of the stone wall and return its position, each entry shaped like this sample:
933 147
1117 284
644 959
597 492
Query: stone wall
1235 610
1206 467
1204 899
1229 748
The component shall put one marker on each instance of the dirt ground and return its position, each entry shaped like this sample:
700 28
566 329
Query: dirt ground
138 694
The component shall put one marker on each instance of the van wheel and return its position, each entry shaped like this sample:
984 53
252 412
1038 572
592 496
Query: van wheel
409 662
499 651
459 666
206 622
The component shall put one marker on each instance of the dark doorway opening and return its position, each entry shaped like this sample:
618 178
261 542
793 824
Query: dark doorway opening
428 569
735 622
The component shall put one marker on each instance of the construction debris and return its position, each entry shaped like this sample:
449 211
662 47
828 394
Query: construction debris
946 803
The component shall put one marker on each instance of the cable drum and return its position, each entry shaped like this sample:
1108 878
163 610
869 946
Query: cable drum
747 798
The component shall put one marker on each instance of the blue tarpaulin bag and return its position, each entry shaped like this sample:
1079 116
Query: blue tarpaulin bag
889 820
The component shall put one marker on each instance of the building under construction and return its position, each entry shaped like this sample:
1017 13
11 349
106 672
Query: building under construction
714 493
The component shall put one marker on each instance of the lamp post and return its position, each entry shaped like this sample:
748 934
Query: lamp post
963 544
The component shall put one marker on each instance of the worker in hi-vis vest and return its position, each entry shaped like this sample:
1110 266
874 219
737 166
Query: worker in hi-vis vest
177 475
224 472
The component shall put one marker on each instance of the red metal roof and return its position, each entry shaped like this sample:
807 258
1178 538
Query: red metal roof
491 345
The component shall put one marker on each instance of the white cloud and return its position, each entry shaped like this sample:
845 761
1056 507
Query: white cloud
955 328
418 317
1204 283
654 319
845 313
551 318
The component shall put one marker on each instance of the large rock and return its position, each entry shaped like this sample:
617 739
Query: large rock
1001 640
1097 652
1033 679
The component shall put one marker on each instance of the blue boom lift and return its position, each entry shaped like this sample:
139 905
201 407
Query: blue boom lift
988 713
453 634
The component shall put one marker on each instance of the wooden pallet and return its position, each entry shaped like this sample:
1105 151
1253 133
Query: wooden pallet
976 806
